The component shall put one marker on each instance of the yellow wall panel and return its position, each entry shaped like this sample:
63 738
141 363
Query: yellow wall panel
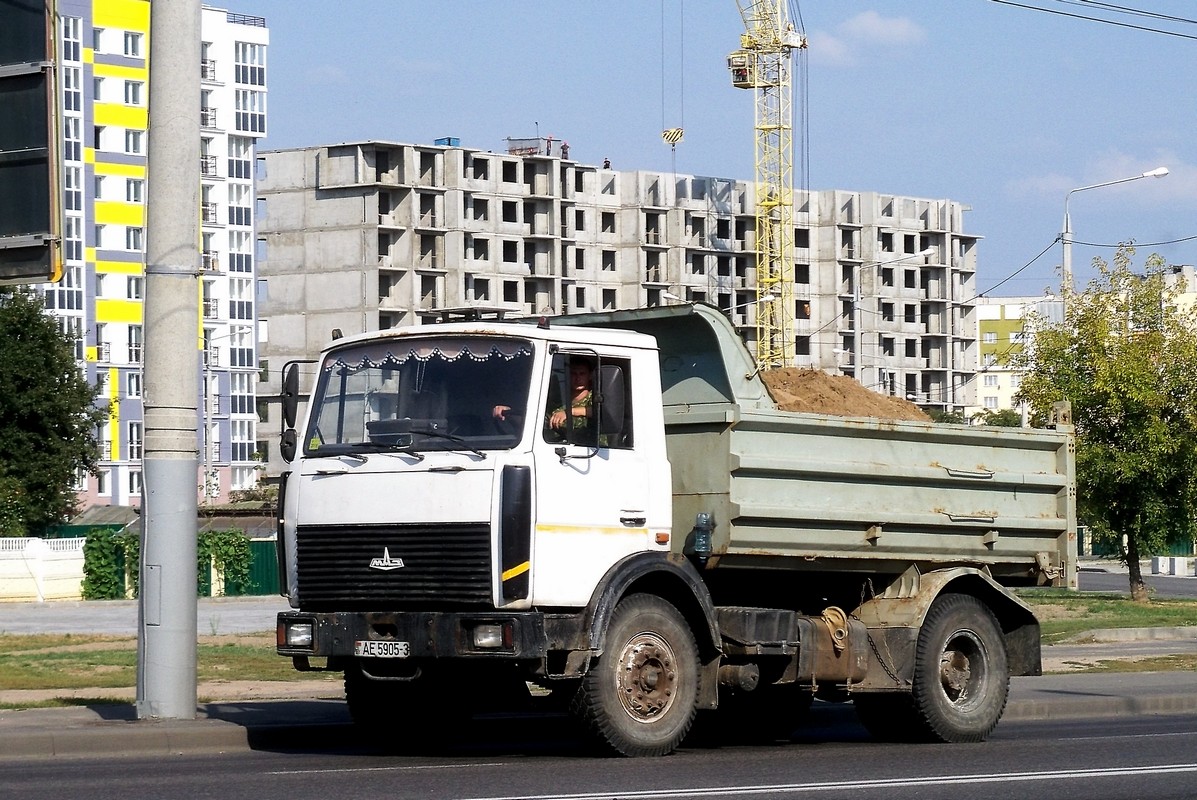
126 311
120 115
125 73
118 267
130 15
121 170
111 212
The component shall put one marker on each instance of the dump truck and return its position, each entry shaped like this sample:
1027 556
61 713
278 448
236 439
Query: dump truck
457 530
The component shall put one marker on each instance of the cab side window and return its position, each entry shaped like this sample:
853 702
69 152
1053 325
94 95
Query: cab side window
589 401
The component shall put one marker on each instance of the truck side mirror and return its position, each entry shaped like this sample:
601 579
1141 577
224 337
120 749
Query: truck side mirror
290 396
287 445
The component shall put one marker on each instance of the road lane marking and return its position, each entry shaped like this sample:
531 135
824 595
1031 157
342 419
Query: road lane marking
408 768
931 780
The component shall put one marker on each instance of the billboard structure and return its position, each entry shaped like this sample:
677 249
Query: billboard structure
30 150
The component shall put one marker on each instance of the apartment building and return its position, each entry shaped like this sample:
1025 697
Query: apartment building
1001 334
104 50
368 235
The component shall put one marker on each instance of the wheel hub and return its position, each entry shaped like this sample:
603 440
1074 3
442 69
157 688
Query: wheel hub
961 667
647 677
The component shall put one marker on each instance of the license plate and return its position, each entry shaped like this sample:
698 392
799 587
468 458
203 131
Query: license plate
372 648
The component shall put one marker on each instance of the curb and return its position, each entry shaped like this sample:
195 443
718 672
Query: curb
324 724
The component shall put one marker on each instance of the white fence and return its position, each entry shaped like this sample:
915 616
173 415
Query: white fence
41 569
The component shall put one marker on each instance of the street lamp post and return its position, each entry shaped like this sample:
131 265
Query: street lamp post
1066 234
857 317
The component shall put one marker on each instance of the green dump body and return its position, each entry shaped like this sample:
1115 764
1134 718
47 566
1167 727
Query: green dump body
813 492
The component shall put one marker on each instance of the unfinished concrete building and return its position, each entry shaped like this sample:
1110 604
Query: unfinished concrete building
369 235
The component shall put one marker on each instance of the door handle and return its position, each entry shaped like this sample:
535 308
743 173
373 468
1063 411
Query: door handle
633 522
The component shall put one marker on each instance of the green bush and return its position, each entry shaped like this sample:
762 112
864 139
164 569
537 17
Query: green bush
104 565
229 552
111 560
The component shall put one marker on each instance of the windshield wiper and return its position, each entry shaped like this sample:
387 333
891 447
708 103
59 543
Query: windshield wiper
452 437
353 449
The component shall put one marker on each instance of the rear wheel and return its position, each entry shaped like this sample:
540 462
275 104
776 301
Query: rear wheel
960 684
640 697
961 673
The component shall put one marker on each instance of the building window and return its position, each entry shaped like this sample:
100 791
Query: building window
102 482
133 141
1016 337
133 239
249 63
133 44
989 337
72 90
251 111
991 380
134 93
134 190
991 402
135 340
72 134
135 482
72 38
133 384
133 449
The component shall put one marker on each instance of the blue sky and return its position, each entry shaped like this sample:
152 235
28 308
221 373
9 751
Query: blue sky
998 107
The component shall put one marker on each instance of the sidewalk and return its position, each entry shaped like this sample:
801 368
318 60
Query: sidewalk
323 725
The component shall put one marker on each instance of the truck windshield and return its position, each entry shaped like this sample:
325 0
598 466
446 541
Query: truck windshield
421 394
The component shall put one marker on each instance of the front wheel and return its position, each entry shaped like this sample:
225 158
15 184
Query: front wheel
961 674
640 697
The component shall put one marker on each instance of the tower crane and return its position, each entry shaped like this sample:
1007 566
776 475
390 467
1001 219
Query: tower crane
762 64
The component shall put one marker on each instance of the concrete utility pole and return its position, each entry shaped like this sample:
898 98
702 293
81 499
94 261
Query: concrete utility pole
167 604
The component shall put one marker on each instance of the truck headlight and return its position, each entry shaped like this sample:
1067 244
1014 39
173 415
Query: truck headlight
299 634
491 635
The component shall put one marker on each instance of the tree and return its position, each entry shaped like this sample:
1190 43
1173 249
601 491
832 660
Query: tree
1125 357
48 418
1002 417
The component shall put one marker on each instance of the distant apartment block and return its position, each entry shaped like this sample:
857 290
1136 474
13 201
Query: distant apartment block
1001 334
104 48
369 235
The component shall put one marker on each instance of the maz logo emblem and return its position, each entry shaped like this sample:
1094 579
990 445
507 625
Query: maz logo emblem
386 562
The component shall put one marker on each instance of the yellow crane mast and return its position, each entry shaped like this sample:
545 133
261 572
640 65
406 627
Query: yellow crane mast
763 64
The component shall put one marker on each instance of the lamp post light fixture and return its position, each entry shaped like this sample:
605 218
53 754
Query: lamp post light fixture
1066 234
857 317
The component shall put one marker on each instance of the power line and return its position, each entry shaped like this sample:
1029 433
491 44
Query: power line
1134 12
1097 19
1015 273
1136 244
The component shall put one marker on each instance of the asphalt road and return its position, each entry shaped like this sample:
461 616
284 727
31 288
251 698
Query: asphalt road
1091 580
1105 758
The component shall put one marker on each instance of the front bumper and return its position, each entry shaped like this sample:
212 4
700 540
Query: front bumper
428 634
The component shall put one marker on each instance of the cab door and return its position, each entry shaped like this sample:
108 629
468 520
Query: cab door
592 482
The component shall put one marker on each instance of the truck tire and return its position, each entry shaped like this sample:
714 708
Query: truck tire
640 697
961 676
